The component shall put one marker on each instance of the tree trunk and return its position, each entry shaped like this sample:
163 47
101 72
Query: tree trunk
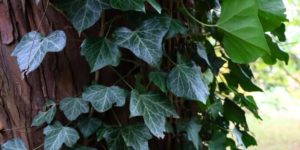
60 75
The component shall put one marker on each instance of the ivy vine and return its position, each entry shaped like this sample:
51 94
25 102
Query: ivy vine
208 68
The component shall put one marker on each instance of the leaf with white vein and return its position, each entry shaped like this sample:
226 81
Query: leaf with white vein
137 5
102 98
100 52
57 135
14 144
73 107
88 126
45 116
154 107
185 81
83 13
33 47
146 41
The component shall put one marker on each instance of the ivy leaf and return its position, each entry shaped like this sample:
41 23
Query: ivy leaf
14 144
136 136
237 24
130 136
201 51
45 116
102 98
192 128
155 5
80 147
248 139
154 107
218 141
88 126
176 27
73 107
159 79
234 113
238 136
215 109
100 52
83 13
137 5
146 41
276 53
33 47
271 13
185 81
57 135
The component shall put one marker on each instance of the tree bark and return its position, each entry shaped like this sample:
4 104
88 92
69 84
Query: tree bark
60 75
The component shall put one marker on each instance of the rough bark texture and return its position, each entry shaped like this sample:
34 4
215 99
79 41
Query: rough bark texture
62 74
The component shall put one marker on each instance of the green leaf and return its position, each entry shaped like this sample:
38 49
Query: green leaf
57 135
14 144
154 107
248 139
155 5
89 126
218 141
102 98
244 39
192 128
83 13
238 136
100 52
201 51
176 27
271 13
159 79
126 137
146 41
80 147
125 5
185 81
276 53
45 116
136 136
215 109
73 107
234 113
32 48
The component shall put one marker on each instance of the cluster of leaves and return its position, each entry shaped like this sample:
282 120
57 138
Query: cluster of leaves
210 72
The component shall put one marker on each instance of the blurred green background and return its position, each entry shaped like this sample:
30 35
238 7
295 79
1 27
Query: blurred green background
280 103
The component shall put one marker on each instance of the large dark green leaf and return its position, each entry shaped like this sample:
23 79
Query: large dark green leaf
146 41
88 126
154 107
276 53
244 39
102 98
192 128
33 47
14 144
45 116
159 79
100 52
218 141
234 113
137 5
57 135
83 13
271 13
185 81
73 107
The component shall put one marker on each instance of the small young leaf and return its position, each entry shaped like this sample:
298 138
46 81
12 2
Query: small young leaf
154 107
218 141
88 126
201 50
137 5
14 144
146 41
244 39
73 107
83 13
57 135
192 128
159 79
102 98
100 52
45 116
176 27
33 47
185 81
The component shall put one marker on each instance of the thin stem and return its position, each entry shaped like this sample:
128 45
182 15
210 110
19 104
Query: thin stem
129 73
116 118
168 57
194 18
15 129
122 78
40 146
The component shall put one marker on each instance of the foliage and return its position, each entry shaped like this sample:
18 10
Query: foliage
199 75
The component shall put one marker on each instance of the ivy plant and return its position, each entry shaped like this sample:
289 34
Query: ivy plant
190 81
